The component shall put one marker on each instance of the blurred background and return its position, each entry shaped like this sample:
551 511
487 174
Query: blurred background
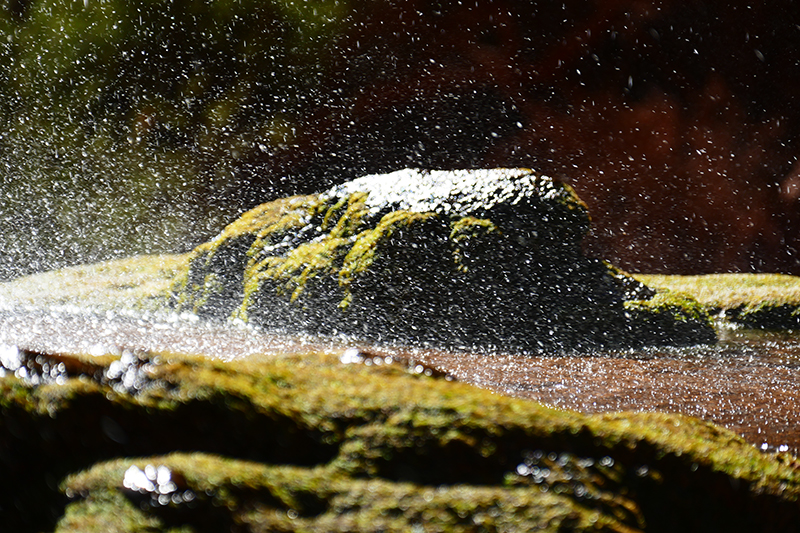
132 127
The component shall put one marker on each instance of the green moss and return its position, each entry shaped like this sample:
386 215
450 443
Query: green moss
362 256
679 306
210 278
350 221
333 215
334 259
287 272
268 241
142 283
276 217
668 316
469 238
108 511
270 498
770 301
338 446
470 227
729 291
290 274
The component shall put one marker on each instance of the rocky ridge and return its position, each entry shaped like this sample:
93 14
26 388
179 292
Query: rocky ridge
161 442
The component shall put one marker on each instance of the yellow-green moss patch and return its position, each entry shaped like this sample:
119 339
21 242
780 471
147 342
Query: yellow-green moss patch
667 314
682 307
259 497
769 301
141 283
367 246
307 438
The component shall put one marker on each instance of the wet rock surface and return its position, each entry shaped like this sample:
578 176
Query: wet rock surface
453 258
310 443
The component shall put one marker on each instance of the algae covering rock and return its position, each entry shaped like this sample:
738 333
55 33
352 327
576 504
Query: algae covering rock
148 442
455 258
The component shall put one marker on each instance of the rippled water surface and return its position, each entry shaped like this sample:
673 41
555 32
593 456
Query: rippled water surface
747 382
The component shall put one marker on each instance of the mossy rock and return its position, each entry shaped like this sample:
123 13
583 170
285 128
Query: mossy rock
451 258
160 442
137 285
759 301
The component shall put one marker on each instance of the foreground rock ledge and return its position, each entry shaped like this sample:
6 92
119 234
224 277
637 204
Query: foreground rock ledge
160 442
455 258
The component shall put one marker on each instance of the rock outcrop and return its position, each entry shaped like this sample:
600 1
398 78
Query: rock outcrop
161 442
455 258
754 301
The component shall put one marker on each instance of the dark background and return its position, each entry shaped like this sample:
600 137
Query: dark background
133 127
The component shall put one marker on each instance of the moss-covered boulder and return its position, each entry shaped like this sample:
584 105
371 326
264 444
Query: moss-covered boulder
456 258
158 442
